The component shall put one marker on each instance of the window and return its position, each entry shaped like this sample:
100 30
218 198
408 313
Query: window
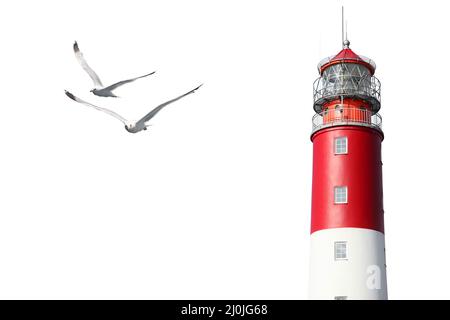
340 250
340 298
340 195
340 145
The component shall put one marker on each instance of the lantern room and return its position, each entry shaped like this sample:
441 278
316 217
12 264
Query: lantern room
347 92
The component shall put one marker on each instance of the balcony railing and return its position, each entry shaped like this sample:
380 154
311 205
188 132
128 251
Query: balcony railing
344 86
346 116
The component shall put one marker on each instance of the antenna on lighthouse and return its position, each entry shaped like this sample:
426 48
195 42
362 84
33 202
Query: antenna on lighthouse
345 42
342 25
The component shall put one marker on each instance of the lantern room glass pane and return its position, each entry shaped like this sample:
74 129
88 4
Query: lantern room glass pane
346 78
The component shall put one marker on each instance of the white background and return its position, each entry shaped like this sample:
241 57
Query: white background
214 200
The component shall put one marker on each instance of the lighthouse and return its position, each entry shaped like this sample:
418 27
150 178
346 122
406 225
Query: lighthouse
347 257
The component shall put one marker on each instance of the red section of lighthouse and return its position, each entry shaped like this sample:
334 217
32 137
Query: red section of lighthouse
364 207
347 224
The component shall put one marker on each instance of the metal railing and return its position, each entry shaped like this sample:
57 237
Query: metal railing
368 89
346 116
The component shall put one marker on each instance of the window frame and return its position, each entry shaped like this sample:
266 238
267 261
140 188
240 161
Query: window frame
340 258
335 194
345 138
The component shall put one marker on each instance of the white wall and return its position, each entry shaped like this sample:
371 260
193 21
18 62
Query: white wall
362 275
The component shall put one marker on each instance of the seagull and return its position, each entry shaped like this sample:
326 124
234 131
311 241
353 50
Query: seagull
100 89
132 126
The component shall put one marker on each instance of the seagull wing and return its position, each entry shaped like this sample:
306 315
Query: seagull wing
86 67
152 113
110 112
121 83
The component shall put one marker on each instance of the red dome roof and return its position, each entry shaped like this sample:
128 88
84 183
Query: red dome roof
346 55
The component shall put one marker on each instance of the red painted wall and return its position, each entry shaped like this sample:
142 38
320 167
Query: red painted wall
359 170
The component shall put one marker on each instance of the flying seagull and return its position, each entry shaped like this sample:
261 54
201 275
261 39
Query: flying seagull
100 89
132 126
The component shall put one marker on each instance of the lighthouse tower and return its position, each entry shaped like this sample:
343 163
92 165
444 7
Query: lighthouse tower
347 230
